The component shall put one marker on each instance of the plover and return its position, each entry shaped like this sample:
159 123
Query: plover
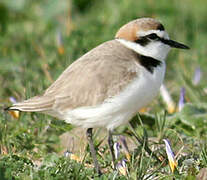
108 85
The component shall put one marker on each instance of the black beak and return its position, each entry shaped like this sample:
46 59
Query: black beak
174 44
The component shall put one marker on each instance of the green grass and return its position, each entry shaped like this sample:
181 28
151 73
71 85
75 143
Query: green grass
29 61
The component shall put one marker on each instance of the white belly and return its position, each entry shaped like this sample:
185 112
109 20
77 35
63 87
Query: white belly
121 108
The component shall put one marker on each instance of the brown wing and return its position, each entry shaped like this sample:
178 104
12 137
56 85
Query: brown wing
100 74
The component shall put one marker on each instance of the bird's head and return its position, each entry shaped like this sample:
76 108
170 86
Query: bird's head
147 36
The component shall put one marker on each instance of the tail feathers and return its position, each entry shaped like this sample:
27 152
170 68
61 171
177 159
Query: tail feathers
35 104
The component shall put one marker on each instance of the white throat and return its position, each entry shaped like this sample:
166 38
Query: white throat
156 50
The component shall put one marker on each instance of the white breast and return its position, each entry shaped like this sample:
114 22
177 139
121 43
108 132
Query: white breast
122 107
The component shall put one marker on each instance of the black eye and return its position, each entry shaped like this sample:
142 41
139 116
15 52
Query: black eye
152 36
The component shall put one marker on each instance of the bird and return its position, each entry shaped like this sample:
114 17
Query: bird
107 86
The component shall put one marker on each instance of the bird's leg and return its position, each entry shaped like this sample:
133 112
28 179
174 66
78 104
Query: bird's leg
111 147
92 150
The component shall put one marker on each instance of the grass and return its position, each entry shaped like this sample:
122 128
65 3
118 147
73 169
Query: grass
32 57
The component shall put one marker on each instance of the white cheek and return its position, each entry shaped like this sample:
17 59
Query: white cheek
157 50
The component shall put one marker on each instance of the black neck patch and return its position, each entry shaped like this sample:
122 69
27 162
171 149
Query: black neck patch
148 62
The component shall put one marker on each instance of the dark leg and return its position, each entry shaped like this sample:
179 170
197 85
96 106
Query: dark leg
92 149
111 147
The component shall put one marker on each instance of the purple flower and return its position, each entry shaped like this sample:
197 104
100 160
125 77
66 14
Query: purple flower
12 99
182 99
121 166
197 76
60 42
67 153
170 155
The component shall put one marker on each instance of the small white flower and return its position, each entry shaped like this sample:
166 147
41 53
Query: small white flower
167 99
